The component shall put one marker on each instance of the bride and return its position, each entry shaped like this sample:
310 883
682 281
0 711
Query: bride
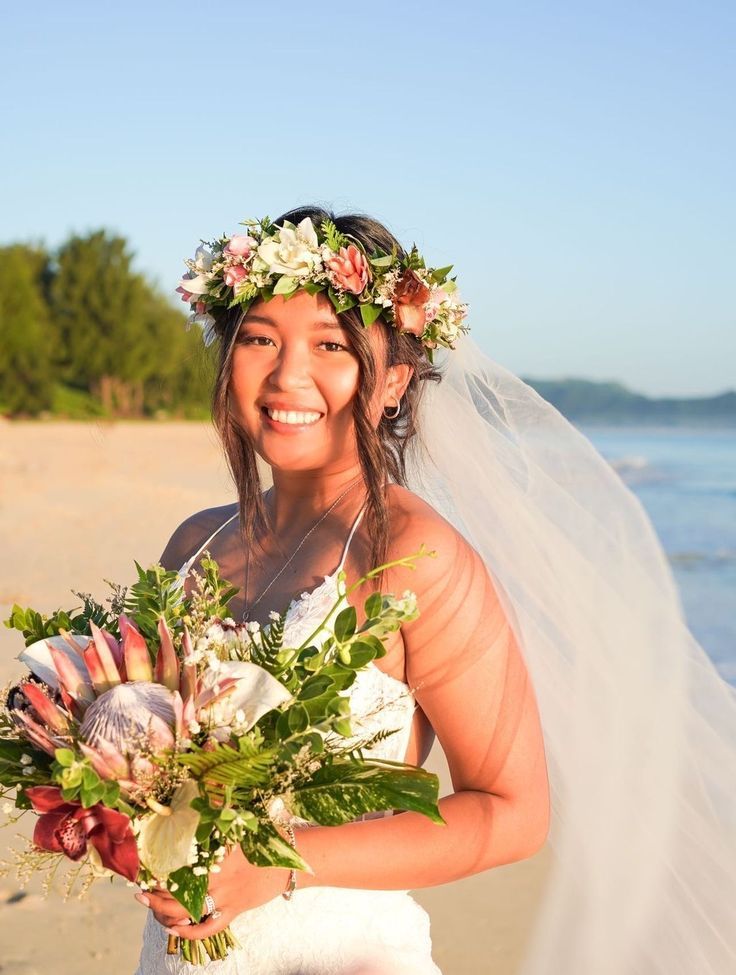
331 405
551 657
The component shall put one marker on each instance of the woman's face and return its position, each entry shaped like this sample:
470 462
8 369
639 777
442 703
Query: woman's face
294 376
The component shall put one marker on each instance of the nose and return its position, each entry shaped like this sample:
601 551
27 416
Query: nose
291 367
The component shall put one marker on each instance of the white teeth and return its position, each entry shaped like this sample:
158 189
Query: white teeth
289 416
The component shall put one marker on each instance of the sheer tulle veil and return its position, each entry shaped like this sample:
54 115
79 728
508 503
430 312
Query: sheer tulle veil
639 727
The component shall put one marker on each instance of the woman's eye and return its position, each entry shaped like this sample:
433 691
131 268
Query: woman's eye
336 345
252 339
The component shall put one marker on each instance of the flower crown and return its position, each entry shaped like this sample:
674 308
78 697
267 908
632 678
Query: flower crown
271 260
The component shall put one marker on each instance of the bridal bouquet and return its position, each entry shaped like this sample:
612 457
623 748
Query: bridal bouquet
153 736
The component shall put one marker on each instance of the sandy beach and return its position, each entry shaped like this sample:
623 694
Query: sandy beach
78 503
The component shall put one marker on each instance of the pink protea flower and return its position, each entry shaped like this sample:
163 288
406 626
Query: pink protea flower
348 269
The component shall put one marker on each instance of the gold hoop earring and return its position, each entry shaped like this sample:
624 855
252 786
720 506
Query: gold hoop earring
392 416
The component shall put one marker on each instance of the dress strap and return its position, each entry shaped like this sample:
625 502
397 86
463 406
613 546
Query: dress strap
350 537
184 570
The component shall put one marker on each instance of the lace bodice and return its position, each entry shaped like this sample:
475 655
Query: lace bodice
379 702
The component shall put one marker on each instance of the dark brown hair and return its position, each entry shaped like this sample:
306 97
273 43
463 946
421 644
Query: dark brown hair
382 451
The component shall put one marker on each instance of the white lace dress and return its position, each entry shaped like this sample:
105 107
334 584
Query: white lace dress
326 930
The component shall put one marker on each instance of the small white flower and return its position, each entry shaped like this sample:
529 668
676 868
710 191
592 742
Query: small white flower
8 808
26 759
200 871
173 887
214 868
194 727
273 615
29 770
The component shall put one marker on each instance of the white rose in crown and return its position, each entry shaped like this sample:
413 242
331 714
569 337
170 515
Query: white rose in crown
293 252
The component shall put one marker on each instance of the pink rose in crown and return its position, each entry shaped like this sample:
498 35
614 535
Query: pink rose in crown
234 275
240 246
348 269
431 309
410 296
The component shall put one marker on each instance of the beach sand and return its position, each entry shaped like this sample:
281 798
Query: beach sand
78 503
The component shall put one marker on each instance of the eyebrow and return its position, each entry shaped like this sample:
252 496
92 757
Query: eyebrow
265 320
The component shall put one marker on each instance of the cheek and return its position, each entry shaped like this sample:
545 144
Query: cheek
244 386
339 388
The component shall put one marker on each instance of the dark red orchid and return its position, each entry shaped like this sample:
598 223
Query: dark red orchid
67 827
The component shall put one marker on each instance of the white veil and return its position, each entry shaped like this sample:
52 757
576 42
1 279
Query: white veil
639 727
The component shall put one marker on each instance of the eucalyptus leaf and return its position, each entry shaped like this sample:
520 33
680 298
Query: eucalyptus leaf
345 623
298 718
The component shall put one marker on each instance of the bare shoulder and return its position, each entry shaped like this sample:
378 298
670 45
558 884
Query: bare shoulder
192 532
414 523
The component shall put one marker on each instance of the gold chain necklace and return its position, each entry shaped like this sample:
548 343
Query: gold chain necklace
247 610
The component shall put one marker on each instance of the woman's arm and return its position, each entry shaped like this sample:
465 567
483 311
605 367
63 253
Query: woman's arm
473 686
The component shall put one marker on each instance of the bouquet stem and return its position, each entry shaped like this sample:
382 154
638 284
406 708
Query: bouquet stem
197 950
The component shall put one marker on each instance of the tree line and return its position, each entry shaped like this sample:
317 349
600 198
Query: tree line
83 334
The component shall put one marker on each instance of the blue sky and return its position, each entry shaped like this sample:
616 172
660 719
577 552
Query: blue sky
574 160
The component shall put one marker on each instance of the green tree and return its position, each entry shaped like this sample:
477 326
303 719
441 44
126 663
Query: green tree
180 372
26 336
98 303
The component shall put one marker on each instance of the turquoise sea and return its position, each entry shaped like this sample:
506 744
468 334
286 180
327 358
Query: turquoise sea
686 480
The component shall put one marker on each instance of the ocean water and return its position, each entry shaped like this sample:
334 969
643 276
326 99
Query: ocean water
686 480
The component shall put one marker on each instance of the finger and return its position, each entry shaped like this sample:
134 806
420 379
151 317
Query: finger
162 894
164 904
203 930
171 920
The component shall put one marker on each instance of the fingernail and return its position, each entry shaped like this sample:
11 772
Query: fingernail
142 899
171 931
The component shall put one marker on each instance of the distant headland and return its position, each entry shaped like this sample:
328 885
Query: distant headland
588 401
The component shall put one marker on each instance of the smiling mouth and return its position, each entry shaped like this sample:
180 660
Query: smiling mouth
292 417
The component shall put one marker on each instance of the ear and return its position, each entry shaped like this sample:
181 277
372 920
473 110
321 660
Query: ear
397 379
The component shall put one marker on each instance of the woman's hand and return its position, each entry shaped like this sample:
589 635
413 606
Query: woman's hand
238 887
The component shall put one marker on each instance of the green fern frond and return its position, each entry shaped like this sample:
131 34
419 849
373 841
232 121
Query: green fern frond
333 238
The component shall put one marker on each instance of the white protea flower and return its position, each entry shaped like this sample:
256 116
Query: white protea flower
128 713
